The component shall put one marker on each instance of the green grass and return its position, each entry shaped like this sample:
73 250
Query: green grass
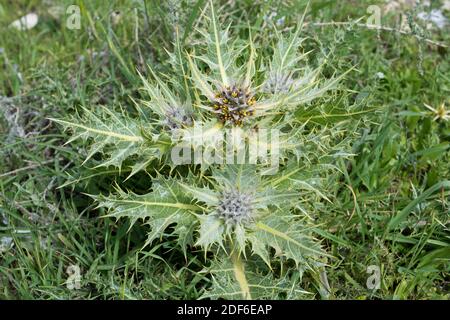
391 209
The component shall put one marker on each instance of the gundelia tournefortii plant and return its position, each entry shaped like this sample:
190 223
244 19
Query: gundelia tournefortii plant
254 220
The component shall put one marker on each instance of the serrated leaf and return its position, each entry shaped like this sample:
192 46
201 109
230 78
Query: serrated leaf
218 43
164 206
260 283
112 134
211 231
286 55
198 79
286 235
205 194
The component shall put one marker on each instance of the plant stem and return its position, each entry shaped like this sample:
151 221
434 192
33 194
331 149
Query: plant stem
239 273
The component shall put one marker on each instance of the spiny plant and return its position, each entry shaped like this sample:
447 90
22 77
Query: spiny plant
256 228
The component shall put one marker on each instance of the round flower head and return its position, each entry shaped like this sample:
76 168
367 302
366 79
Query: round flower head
233 104
235 207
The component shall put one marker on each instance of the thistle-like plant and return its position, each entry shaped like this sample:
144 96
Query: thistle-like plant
235 213
252 223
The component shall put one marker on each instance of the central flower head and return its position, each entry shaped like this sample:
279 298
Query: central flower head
234 104
235 207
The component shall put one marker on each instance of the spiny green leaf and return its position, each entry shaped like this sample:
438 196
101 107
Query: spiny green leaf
218 44
260 283
211 231
115 135
164 206
205 195
288 238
